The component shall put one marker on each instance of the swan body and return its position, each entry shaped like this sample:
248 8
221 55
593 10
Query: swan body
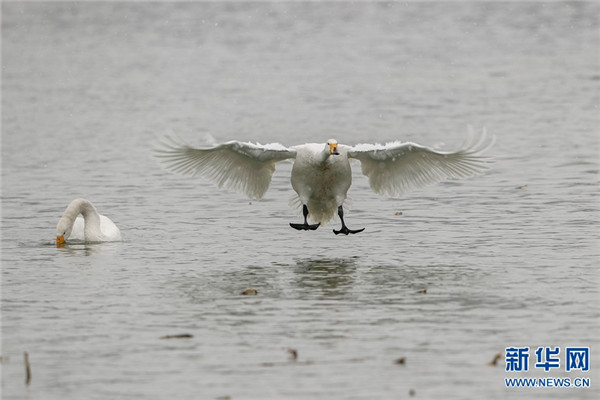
321 178
321 173
81 221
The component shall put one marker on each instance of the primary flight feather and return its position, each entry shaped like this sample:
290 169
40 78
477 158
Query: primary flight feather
321 174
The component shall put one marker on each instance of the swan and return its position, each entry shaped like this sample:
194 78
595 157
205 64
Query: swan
93 227
321 172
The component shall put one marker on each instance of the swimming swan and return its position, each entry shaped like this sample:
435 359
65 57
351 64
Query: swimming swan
321 174
93 227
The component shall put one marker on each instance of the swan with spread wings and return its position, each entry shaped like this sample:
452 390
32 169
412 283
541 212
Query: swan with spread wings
321 173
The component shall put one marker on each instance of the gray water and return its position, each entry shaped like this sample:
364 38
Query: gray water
509 258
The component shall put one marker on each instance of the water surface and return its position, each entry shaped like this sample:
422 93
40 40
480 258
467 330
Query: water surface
468 268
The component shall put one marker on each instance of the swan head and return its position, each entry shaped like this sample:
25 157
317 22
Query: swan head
63 230
332 144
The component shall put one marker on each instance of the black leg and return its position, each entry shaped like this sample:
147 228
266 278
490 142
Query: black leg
305 226
345 229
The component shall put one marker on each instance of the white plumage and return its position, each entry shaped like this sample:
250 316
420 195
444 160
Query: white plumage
81 221
321 174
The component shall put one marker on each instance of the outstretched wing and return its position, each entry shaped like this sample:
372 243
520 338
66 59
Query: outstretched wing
243 167
397 168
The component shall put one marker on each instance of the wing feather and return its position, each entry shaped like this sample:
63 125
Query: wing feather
398 168
244 167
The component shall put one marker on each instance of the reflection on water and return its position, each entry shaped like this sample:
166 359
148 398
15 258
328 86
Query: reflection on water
84 248
308 279
329 278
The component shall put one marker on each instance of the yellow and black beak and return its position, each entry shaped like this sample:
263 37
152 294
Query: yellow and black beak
60 240
333 149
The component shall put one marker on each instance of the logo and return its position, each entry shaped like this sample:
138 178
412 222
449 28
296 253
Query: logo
548 359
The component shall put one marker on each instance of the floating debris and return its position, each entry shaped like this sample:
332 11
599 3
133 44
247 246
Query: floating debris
495 360
521 187
181 336
27 369
250 291
412 392
400 361
293 353
422 291
398 213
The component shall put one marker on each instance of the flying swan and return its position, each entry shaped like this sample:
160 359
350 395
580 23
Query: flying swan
93 227
321 174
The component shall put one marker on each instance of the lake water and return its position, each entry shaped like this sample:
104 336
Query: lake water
509 258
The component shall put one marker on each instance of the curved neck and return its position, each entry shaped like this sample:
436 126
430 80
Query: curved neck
90 216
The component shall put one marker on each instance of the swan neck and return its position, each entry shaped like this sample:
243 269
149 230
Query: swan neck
83 207
325 154
91 217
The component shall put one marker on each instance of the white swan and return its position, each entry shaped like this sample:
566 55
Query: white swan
93 227
321 174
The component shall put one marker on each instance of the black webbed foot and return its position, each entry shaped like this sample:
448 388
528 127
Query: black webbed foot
346 231
305 226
